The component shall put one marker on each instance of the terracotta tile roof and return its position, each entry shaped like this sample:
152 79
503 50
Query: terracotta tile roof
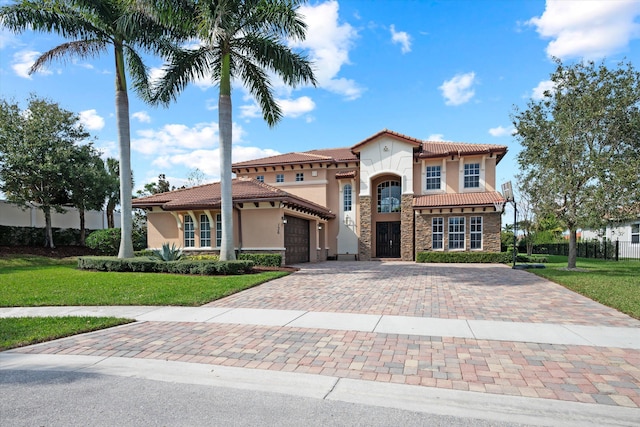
435 149
207 196
346 174
457 199
331 155
388 132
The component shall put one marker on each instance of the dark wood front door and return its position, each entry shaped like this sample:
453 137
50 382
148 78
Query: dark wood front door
388 239
296 240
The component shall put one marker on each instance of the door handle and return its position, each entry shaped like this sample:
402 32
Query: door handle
390 242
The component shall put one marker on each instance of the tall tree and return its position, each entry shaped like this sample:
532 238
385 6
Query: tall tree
93 27
88 185
238 39
580 160
35 146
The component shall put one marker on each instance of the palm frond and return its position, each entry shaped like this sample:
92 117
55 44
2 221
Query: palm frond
257 81
66 51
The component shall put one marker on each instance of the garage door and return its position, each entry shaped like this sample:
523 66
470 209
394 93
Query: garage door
296 240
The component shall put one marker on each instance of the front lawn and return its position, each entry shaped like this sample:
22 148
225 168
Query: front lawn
27 281
612 283
21 331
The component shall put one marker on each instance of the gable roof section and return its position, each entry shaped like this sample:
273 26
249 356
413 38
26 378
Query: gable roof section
207 196
386 132
439 149
330 155
457 199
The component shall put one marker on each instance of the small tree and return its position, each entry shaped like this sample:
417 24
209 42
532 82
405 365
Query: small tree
35 147
113 194
580 156
88 184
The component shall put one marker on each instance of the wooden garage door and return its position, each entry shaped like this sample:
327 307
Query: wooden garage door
296 240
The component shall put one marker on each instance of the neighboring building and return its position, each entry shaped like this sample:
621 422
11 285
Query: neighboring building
388 196
32 216
626 234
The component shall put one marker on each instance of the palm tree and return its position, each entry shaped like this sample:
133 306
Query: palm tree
238 39
93 26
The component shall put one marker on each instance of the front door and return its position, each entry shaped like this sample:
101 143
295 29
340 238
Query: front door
388 239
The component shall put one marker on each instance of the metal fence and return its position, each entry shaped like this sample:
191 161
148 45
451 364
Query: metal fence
607 249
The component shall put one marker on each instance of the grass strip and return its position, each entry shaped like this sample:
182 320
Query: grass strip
613 283
37 281
21 331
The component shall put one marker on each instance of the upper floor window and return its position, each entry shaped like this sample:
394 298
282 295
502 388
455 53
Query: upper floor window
389 196
260 178
205 231
346 194
189 232
280 177
635 233
472 175
433 177
299 176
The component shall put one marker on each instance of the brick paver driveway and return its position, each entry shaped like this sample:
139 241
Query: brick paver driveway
590 374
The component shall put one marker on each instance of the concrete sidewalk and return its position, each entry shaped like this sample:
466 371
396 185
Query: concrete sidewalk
541 333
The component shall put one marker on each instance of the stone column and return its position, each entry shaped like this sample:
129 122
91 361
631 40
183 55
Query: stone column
364 243
406 227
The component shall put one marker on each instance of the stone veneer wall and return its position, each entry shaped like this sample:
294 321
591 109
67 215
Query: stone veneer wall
364 243
406 228
491 224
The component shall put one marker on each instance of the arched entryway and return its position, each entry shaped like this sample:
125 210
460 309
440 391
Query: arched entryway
386 216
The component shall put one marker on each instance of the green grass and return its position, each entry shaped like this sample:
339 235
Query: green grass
27 281
615 284
21 331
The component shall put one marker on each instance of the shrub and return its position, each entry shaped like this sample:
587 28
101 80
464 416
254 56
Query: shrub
153 265
267 260
463 257
167 253
105 242
203 257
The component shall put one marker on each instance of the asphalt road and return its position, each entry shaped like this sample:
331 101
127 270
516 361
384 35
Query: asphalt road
55 398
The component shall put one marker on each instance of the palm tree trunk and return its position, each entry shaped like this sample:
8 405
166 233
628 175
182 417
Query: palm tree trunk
124 141
227 252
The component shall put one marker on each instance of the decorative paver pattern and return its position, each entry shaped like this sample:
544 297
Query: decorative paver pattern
473 291
587 374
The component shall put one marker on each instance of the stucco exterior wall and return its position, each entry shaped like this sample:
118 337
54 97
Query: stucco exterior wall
386 156
262 228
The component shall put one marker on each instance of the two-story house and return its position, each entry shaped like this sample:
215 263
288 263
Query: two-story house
388 196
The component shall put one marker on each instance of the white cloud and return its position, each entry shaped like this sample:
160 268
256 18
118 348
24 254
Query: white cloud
175 138
22 62
7 38
296 107
543 86
590 29
91 120
142 116
402 38
458 90
250 111
502 131
329 42
435 137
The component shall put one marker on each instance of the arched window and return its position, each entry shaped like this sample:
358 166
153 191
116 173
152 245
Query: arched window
189 234
389 194
346 195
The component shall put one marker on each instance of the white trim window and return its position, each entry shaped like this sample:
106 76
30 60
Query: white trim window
189 232
280 177
472 175
635 234
218 230
299 176
456 232
260 178
437 233
389 194
347 197
475 234
433 177
205 231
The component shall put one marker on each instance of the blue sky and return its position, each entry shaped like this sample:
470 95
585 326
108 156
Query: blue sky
439 70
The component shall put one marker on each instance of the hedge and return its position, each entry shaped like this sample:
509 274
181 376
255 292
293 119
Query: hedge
463 257
266 260
151 265
34 236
